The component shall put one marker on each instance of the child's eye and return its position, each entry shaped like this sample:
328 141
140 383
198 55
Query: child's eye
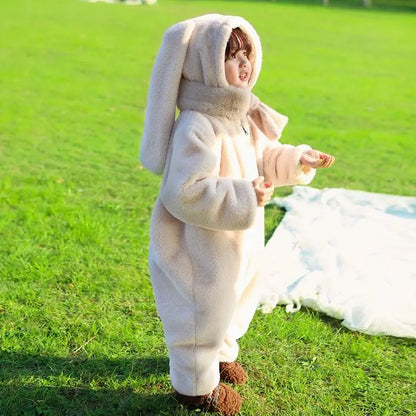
233 56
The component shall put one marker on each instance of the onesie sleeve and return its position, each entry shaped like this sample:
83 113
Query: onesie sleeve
193 191
281 164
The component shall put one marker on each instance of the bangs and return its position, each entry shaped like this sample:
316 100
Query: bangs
238 41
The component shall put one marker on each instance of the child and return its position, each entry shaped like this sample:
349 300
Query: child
220 161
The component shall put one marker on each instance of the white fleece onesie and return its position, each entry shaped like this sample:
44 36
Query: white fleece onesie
206 239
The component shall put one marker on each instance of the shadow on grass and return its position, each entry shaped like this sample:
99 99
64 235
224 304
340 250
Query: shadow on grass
40 385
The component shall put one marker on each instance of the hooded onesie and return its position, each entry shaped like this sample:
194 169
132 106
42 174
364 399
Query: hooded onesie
207 232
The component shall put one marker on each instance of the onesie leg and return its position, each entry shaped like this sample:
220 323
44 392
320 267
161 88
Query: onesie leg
243 315
230 371
195 327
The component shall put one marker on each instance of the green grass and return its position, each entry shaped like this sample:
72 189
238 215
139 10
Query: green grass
79 333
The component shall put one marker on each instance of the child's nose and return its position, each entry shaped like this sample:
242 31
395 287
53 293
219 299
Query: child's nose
243 62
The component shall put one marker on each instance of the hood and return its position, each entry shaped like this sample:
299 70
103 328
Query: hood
204 60
193 50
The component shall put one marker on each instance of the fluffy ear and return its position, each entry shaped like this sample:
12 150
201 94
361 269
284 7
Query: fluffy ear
162 96
269 121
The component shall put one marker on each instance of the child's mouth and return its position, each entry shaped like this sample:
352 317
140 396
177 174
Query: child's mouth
244 76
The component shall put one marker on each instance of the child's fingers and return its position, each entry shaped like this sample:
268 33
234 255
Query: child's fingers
258 181
326 160
264 191
330 161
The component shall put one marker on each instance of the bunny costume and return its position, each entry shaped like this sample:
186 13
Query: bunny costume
206 238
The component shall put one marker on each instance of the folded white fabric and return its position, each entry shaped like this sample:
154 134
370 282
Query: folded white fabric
349 254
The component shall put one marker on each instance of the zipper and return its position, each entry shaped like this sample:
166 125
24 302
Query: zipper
244 130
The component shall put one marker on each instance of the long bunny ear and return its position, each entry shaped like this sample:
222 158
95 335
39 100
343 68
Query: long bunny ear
269 121
162 96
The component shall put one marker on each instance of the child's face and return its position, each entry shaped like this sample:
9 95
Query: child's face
238 69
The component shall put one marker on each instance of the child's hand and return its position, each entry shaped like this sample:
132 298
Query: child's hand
315 159
264 191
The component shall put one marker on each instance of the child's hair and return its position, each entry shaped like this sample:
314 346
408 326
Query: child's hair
238 41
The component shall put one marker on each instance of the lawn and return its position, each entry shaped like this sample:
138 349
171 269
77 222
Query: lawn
79 332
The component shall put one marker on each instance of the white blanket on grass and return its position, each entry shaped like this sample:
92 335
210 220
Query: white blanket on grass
349 254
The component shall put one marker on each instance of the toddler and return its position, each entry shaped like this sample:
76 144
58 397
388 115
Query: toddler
220 159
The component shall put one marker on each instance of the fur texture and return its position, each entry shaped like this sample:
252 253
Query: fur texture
233 373
223 400
206 239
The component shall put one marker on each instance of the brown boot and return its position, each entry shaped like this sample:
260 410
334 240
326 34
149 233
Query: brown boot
232 373
223 399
